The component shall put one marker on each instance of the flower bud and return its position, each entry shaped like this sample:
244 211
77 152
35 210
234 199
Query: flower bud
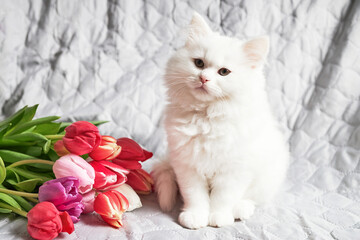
81 137
111 205
63 193
46 222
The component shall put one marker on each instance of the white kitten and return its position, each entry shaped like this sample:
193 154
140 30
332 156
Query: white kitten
224 145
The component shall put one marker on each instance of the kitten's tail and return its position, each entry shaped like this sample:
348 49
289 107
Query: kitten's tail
165 184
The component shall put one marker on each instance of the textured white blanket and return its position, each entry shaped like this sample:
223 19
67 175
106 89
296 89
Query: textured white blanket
103 60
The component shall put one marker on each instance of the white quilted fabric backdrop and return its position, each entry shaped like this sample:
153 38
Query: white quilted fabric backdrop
104 60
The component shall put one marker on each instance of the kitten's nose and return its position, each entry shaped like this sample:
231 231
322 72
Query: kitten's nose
203 79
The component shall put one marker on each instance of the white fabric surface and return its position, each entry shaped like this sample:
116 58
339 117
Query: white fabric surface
104 59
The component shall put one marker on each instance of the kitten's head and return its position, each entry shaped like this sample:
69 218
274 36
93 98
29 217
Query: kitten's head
211 67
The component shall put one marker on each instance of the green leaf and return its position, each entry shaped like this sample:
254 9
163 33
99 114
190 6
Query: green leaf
9 200
12 156
5 143
47 128
34 151
29 113
3 129
24 126
27 185
27 137
4 210
2 171
12 175
98 123
15 118
53 155
47 146
22 202
31 175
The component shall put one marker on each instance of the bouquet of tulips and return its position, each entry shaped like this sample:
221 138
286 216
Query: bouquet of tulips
52 172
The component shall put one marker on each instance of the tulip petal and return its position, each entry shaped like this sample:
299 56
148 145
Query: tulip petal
67 223
102 205
115 153
132 150
104 177
73 165
114 222
111 205
138 182
127 164
131 196
88 201
81 137
114 167
145 175
45 221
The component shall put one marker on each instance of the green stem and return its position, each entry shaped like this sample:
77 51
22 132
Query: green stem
22 162
32 199
18 193
54 137
15 210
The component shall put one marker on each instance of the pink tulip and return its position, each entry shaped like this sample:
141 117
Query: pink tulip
81 137
107 150
73 165
88 200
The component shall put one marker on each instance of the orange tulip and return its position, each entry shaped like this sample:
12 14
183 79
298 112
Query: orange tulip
60 148
107 150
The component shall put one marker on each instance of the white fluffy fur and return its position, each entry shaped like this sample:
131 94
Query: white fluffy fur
225 148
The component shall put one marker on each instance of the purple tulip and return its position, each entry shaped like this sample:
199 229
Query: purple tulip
63 193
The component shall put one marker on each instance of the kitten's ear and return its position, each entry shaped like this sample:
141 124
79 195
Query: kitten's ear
197 28
256 50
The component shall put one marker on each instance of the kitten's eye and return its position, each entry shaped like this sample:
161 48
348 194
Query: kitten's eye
199 63
224 71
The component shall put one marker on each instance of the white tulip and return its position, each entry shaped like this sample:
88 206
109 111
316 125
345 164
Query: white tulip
131 195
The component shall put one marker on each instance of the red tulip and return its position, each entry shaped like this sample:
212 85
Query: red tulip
111 205
108 175
107 150
46 222
130 154
132 151
60 148
128 164
81 137
140 181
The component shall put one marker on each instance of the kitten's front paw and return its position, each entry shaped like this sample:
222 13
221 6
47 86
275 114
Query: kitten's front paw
219 219
193 219
244 209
